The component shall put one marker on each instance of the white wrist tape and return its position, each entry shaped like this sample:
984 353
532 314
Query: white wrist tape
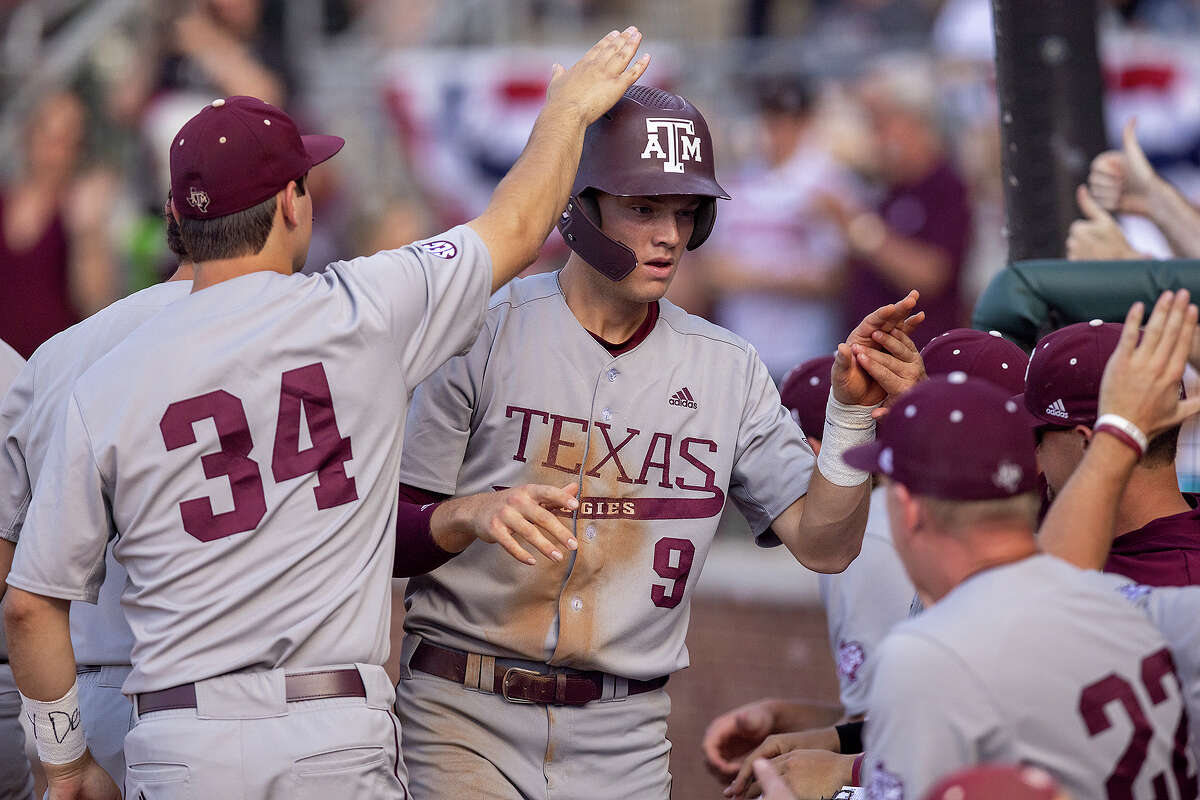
1122 424
845 427
56 727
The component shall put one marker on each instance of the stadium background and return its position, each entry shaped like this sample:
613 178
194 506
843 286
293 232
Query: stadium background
435 99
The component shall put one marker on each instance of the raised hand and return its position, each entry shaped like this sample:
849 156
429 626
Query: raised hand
1141 380
852 383
1097 237
1122 180
596 82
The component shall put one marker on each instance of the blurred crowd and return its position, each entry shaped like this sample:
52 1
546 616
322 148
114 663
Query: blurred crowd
876 171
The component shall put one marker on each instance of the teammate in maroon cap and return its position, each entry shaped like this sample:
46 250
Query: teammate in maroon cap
957 457
252 488
1156 538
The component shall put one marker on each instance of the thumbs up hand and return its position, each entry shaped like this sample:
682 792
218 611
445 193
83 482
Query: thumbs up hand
1122 180
1097 237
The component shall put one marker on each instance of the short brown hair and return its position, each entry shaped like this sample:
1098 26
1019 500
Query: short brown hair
242 233
956 515
1162 449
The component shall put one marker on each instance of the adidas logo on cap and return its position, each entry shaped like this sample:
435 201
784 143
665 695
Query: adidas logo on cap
683 398
1057 409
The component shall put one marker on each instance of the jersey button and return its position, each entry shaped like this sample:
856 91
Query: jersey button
589 532
612 375
576 604
606 414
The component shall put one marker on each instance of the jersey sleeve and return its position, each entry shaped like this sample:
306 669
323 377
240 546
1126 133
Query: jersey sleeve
432 296
773 462
439 421
61 552
928 716
15 492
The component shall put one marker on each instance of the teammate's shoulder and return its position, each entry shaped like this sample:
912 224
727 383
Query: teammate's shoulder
520 292
684 324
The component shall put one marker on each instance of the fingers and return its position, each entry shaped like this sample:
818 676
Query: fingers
627 45
898 344
1178 358
887 371
1088 205
773 785
1177 314
1133 151
1153 330
505 540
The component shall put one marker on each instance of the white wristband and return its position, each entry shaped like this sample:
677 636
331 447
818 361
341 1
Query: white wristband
57 729
1122 424
845 427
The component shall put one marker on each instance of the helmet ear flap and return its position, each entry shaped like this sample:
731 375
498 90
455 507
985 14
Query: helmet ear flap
704 218
580 226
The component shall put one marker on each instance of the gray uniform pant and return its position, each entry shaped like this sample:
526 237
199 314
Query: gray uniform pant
460 743
16 782
245 741
107 716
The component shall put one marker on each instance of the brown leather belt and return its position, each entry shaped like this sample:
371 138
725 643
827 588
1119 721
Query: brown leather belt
297 686
521 685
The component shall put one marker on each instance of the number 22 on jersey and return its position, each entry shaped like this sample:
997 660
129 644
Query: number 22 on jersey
304 388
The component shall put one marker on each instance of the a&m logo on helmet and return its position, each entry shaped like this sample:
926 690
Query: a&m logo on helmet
198 199
682 143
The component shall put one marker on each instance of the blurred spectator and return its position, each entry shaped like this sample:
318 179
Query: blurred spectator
55 259
774 262
919 233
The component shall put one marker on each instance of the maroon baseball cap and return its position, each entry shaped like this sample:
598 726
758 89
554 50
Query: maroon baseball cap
237 152
805 391
955 438
996 782
980 354
1062 384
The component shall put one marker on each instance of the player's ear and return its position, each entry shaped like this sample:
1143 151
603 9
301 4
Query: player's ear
1084 433
287 202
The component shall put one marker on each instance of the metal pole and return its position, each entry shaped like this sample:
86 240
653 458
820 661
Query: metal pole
1051 116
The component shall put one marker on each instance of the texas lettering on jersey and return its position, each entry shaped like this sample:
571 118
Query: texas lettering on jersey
638 458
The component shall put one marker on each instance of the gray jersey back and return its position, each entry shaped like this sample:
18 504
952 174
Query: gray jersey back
659 436
1027 663
28 417
1175 611
253 485
862 604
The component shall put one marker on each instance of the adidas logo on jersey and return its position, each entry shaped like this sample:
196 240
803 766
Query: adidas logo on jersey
1057 409
683 398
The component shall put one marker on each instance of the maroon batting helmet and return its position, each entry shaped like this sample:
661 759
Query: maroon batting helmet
650 143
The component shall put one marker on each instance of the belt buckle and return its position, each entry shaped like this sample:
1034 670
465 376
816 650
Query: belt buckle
504 684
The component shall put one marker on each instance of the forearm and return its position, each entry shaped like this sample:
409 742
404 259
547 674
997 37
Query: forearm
452 523
829 535
39 644
906 262
529 199
235 71
1178 219
1079 526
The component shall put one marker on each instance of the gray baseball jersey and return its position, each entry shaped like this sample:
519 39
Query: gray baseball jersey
1175 611
252 488
862 604
658 436
11 363
1029 663
28 417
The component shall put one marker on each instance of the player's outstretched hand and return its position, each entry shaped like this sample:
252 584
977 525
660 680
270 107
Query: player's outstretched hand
773 785
806 773
1141 379
1097 237
1123 180
897 367
82 779
521 516
596 82
730 736
775 746
852 384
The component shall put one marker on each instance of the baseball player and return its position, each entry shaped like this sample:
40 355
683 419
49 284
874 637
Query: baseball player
963 508
874 593
252 488
100 636
15 781
1155 541
521 682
